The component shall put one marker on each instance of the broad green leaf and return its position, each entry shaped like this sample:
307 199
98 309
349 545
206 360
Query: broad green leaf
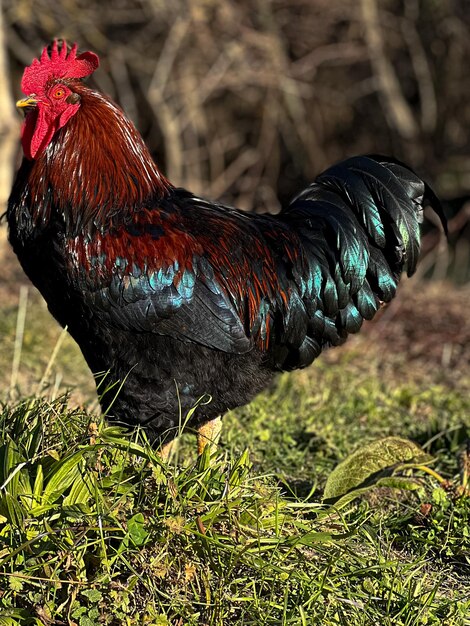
136 530
239 470
125 445
93 595
393 482
10 617
367 465
16 583
400 482
87 621
81 490
13 477
39 510
62 475
12 509
38 484
312 538
75 511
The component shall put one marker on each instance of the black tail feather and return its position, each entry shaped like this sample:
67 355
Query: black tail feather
359 227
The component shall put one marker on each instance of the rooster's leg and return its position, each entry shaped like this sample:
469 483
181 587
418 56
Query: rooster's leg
167 450
209 434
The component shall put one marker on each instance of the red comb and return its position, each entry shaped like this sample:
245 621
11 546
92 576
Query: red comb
59 64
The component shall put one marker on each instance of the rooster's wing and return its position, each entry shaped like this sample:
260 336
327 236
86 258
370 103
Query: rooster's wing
288 284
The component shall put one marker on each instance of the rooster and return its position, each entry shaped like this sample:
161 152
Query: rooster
173 298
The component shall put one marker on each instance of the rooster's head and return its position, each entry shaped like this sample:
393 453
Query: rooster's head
50 102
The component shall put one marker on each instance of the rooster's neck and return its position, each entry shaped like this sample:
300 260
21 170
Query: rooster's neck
97 170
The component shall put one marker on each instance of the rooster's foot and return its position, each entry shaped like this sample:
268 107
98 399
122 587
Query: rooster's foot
209 434
167 450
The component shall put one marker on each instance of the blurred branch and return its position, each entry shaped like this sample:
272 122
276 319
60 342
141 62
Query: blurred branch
168 54
9 122
329 54
399 112
167 117
250 99
120 74
247 158
421 67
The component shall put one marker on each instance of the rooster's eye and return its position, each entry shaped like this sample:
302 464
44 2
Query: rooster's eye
59 93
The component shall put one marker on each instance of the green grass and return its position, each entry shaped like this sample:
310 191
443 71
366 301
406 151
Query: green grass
95 529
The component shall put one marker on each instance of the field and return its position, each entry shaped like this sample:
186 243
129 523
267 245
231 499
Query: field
95 529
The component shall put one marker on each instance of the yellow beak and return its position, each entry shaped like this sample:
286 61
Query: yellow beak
26 102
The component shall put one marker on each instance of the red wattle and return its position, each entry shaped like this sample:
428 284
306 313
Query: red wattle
40 126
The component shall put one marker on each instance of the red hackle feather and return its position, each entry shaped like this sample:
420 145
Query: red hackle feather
105 168
142 249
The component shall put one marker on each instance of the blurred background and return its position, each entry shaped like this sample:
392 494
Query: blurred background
247 101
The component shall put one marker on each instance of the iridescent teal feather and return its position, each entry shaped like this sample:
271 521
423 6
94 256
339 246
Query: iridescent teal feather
359 229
